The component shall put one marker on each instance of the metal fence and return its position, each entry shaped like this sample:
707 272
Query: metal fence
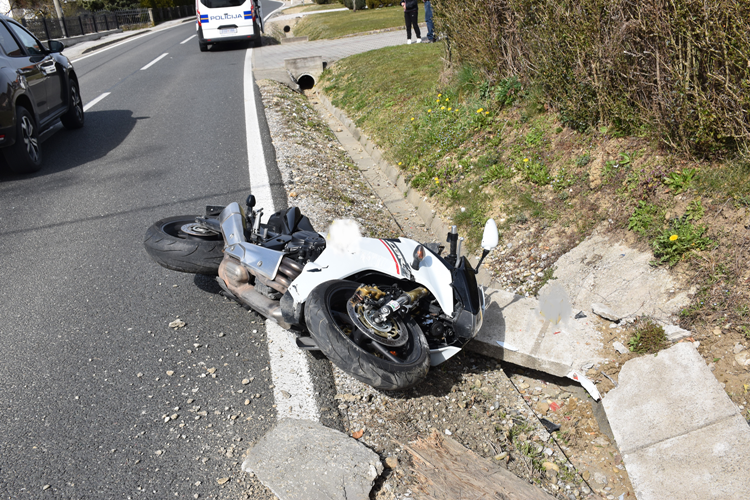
48 28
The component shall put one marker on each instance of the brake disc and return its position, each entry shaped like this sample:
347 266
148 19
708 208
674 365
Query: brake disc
195 229
392 333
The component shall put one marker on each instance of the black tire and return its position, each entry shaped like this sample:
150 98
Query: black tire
326 315
25 156
171 247
73 119
201 42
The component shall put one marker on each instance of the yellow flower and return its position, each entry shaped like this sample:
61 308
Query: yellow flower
525 159
437 100
486 112
673 237
446 99
480 110
437 181
442 107
440 95
412 118
429 111
399 163
450 109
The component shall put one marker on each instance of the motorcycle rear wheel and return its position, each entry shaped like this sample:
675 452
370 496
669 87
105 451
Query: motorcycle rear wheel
329 323
187 252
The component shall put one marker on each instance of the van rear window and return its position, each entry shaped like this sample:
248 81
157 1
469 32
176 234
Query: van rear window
220 4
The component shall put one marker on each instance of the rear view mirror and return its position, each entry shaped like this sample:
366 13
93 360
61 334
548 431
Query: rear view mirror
55 46
490 238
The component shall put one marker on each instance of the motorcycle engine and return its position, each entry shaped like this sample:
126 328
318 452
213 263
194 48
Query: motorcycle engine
305 246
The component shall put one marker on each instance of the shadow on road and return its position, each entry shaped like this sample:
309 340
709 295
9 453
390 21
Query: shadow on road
64 149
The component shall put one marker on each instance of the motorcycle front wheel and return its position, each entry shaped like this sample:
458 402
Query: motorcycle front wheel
179 244
339 337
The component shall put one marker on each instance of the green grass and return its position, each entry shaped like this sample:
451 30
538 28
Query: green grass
328 6
338 24
649 337
382 89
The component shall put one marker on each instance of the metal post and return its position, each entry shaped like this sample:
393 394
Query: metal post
117 21
65 27
46 29
96 29
106 22
59 13
80 22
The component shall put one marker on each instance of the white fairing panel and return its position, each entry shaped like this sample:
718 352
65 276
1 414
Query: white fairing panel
442 354
388 257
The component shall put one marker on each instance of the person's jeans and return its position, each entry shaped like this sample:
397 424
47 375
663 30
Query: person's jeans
428 20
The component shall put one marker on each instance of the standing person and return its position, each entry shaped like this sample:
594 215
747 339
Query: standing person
411 10
428 20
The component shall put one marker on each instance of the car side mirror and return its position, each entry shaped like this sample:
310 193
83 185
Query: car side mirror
56 46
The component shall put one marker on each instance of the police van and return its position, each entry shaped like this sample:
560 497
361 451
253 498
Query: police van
221 21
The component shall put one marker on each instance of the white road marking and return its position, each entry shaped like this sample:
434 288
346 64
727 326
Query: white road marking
292 384
256 159
155 61
293 387
128 40
92 103
186 40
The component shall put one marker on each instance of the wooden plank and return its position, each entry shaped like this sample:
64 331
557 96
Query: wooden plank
449 471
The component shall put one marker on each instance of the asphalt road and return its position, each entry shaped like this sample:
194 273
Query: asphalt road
99 398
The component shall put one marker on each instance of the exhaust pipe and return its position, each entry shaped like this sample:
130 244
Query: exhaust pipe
246 293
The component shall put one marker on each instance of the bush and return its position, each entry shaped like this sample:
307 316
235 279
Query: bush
350 4
679 69
376 4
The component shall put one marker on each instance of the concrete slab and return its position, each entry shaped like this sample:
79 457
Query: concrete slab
600 271
705 464
304 460
518 330
679 433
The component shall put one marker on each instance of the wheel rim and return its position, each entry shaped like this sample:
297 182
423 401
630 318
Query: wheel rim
77 104
338 304
30 141
189 230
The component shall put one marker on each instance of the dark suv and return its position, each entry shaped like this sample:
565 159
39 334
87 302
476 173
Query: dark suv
37 87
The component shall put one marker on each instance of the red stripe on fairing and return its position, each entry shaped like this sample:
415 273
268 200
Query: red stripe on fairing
398 270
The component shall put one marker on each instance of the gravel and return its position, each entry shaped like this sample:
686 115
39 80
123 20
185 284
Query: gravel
489 407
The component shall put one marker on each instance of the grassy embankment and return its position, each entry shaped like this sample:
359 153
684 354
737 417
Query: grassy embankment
343 23
482 151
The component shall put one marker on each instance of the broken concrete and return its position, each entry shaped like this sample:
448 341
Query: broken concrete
304 460
675 333
679 433
619 278
516 329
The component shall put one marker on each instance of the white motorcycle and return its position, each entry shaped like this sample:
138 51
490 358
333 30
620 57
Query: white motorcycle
382 310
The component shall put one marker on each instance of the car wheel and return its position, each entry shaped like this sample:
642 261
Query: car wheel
74 117
201 42
25 156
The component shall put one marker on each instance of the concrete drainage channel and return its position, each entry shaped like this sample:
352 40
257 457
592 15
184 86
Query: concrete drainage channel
305 71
